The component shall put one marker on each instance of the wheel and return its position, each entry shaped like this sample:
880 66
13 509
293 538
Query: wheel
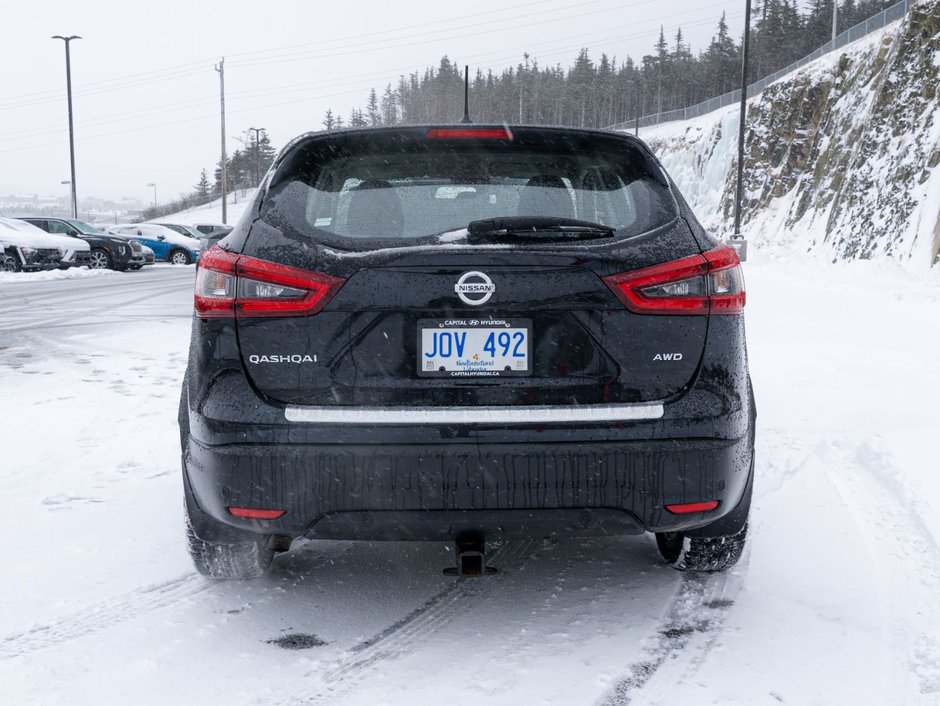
715 547
100 260
242 560
8 263
180 257
701 553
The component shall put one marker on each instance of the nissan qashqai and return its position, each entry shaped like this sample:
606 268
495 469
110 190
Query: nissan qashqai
466 332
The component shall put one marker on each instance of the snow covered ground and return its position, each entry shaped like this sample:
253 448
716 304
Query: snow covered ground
834 603
212 211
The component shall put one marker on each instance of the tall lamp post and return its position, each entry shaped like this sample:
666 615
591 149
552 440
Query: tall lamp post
68 84
257 131
154 195
737 239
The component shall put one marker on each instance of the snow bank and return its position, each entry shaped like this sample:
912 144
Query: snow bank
71 273
841 155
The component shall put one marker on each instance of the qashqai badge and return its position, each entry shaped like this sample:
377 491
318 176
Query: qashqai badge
474 288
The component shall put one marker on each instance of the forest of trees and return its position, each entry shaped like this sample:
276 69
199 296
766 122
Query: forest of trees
243 170
599 93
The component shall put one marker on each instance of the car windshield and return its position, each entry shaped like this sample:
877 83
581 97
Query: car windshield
402 190
83 228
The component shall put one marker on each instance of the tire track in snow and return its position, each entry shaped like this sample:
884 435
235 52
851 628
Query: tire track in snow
42 319
92 619
903 549
696 614
129 606
397 639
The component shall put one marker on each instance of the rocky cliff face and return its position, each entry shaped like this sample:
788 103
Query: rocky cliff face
842 156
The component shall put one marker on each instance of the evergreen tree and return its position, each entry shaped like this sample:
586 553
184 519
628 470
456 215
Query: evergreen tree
389 106
601 93
329 122
372 109
202 189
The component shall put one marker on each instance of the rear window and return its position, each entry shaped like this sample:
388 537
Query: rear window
403 188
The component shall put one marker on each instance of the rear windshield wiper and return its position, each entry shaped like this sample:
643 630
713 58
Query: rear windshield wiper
535 228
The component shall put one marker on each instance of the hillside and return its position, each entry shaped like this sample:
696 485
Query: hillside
212 211
841 156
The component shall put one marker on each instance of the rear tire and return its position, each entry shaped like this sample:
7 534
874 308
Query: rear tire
243 560
701 553
180 257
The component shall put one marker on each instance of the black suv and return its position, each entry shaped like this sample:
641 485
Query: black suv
464 332
107 251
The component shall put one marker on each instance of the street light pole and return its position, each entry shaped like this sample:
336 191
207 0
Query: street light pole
257 130
739 190
835 21
220 68
68 85
154 195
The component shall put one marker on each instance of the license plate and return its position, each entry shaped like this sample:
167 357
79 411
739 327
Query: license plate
474 347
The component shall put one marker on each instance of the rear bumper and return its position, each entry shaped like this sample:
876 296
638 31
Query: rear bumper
432 491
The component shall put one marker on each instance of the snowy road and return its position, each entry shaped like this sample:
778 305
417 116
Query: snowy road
835 601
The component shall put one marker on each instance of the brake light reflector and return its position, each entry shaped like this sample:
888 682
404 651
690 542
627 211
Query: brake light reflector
469 133
686 508
252 513
231 285
711 283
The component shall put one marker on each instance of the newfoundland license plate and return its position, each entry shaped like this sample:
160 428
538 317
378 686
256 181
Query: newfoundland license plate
474 347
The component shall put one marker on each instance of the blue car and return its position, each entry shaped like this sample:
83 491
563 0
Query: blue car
167 244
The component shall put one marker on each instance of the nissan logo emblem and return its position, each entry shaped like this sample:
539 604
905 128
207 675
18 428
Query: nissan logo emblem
474 288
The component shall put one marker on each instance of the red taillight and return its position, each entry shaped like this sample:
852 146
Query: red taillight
469 133
697 285
253 513
230 285
686 508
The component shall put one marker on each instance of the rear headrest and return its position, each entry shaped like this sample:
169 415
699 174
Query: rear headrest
545 195
375 210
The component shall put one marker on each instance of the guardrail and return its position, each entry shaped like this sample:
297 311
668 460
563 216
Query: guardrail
873 23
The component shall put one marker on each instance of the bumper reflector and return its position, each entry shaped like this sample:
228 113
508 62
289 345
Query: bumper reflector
253 513
686 508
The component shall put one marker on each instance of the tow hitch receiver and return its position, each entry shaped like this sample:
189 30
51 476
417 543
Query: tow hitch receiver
471 557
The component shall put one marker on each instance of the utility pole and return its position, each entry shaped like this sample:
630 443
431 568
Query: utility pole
220 68
154 185
835 21
68 84
739 190
257 131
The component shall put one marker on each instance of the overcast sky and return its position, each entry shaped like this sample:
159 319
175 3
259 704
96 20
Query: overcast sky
146 93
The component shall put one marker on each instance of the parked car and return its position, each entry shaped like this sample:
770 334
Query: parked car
146 253
7 260
465 332
107 251
180 228
210 228
166 243
209 240
33 249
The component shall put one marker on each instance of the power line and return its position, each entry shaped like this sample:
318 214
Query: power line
369 81
197 68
